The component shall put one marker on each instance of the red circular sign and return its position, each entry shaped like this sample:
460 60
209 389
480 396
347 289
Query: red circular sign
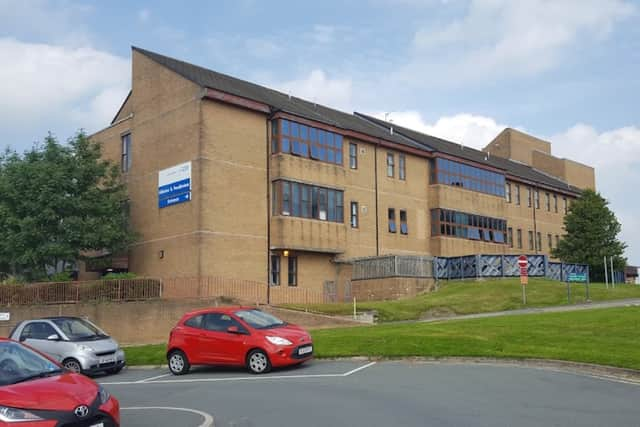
522 261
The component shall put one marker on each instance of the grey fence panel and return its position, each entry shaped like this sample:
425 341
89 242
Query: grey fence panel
536 265
414 266
441 266
510 266
554 271
490 265
455 268
469 266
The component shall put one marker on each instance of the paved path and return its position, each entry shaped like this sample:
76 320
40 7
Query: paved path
361 393
635 302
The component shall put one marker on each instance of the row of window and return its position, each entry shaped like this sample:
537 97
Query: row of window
307 201
449 172
404 228
548 197
446 222
532 245
306 141
292 270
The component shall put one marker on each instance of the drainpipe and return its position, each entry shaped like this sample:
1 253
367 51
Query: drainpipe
375 171
535 225
268 164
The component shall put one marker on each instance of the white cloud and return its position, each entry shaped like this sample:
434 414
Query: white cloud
262 48
323 34
80 87
506 37
468 129
317 87
615 155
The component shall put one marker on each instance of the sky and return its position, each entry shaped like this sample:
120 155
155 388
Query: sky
567 71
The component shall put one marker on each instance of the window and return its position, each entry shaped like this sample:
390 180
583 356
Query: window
307 201
467 226
517 194
445 171
275 270
508 192
547 198
528 197
353 156
404 229
555 203
530 240
306 141
564 205
390 160
402 162
557 240
220 322
550 241
392 220
195 322
354 215
519 238
37 331
510 237
126 152
538 241
536 196
293 271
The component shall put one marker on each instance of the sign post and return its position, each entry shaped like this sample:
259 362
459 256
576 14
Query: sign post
523 263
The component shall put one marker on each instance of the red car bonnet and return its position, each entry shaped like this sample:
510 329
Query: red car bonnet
61 392
293 333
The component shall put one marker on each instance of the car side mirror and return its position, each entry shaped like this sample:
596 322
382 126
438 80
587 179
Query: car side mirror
235 330
53 337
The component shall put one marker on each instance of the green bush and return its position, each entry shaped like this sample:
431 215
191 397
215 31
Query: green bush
12 280
63 276
116 276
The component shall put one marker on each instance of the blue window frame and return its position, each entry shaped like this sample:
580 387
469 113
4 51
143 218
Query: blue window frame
307 201
306 141
467 226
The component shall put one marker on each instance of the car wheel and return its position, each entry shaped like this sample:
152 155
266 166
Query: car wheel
72 365
178 363
258 362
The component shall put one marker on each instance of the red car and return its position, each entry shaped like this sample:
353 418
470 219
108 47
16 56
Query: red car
240 336
36 392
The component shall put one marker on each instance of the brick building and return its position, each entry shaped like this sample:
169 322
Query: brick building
270 187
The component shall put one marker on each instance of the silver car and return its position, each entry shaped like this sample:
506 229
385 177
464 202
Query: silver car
79 345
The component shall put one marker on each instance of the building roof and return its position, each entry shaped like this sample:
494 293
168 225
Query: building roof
281 102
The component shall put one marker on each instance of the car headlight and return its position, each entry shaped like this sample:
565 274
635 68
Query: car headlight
85 348
14 415
103 395
279 341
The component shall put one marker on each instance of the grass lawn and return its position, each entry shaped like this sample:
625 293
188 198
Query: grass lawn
466 297
603 336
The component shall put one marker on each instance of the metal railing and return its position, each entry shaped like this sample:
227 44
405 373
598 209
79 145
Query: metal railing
392 266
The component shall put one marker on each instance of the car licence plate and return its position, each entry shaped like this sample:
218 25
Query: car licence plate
305 350
97 425
107 360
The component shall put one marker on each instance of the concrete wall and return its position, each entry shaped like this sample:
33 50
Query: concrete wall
390 288
148 322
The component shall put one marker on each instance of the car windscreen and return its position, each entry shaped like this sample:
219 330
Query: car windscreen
19 363
259 319
79 330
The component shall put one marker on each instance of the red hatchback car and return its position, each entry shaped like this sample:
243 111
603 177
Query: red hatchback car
36 392
240 336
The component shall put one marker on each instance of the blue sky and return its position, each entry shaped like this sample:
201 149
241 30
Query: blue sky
566 70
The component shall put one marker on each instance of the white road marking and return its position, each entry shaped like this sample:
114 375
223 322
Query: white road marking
353 371
251 378
153 378
208 419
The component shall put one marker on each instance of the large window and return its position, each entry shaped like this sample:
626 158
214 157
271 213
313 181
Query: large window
390 165
519 238
307 201
528 197
518 194
469 177
508 192
510 236
536 198
126 152
392 220
306 141
555 203
275 270
467 226
293 271
354 214
538 241
547 198
402 167
530 240
353 156
404 228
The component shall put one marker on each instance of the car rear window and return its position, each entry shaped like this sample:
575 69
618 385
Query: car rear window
194 322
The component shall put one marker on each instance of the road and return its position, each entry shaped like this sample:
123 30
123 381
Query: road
361 393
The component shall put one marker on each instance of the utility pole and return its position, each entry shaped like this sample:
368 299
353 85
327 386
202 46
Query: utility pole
606 278
613 277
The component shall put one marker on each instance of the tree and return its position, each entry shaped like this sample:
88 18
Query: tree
591 234
57 202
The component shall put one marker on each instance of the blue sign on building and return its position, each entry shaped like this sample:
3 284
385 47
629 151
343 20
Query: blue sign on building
174 185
